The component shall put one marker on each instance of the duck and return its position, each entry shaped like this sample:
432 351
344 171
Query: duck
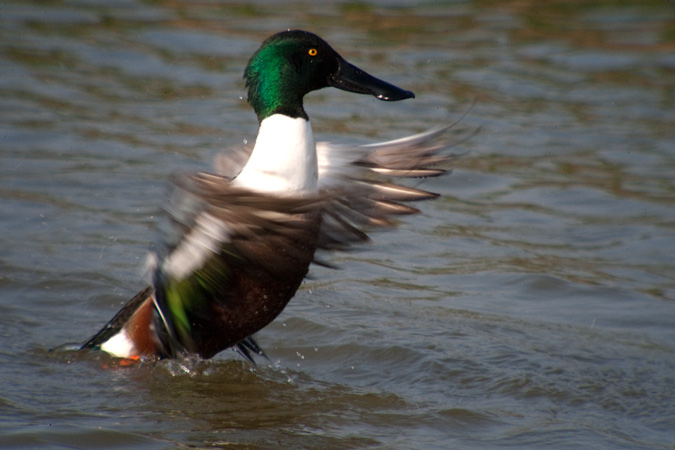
240 239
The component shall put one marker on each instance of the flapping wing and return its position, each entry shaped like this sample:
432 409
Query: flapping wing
218 235
357 182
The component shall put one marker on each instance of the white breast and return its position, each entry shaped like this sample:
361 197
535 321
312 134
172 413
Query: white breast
283 159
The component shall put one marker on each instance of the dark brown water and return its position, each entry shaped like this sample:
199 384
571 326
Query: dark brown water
532 306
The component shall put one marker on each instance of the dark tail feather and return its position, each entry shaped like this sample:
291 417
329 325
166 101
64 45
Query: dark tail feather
116 323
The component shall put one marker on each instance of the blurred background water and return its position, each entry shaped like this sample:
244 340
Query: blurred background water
532 306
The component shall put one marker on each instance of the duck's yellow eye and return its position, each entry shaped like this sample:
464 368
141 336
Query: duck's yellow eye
312 52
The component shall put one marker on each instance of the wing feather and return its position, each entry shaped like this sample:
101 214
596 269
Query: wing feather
356 182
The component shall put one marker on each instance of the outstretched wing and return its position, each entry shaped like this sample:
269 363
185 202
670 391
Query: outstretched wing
357 182
224 245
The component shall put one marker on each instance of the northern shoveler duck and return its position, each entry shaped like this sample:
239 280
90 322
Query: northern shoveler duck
243 238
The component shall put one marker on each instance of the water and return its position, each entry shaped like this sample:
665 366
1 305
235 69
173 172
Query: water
532 306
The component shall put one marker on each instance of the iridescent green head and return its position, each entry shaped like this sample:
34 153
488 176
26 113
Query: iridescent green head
291 64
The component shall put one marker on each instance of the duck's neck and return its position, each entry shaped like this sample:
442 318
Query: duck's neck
283 159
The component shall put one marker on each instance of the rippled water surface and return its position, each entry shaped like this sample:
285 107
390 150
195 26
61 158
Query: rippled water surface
532 306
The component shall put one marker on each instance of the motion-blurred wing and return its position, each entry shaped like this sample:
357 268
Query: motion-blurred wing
218 236
356 181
